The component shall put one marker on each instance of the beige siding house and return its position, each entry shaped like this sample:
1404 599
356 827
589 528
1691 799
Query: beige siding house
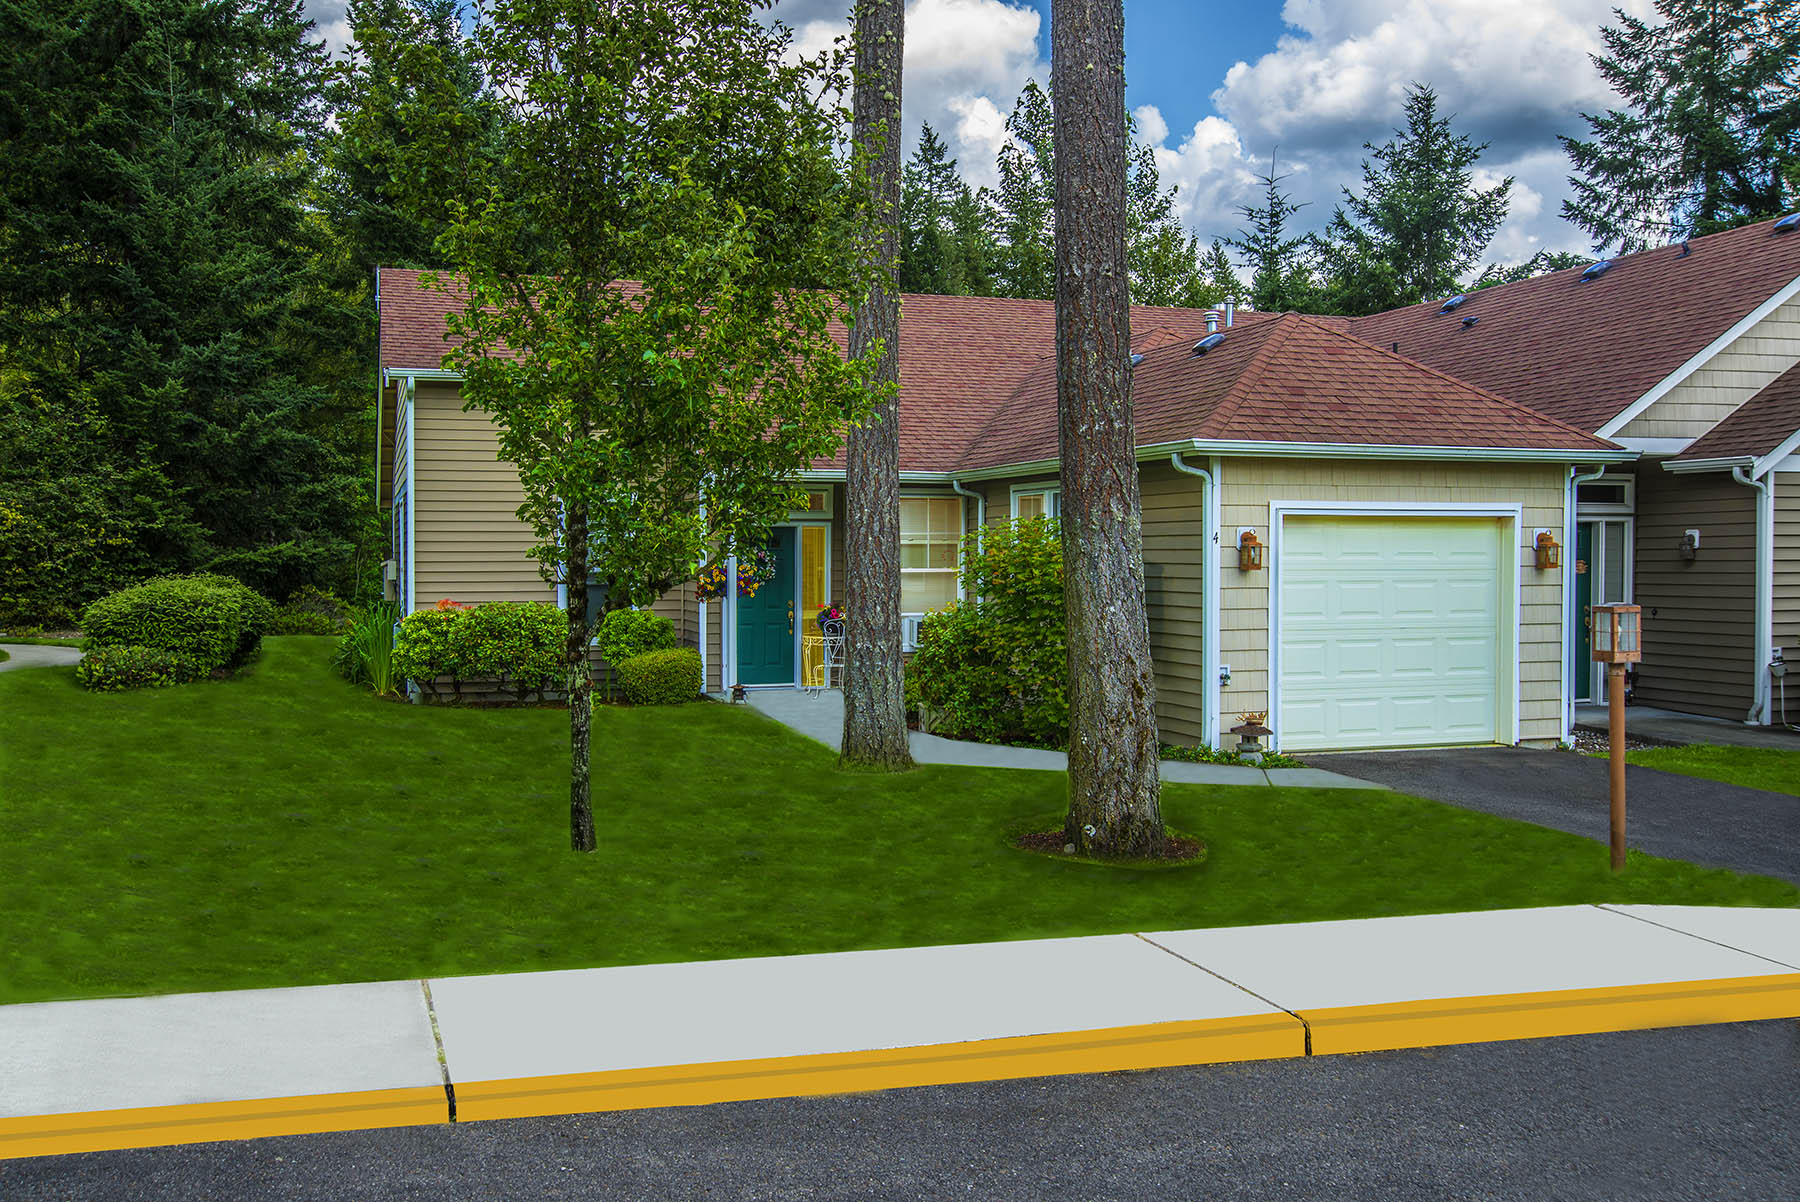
1398 473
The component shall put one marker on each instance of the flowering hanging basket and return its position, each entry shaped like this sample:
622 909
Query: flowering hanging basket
754 569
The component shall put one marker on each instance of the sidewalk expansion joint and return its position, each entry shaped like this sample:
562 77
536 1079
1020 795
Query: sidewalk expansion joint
1702 938
437 1037
1305 1026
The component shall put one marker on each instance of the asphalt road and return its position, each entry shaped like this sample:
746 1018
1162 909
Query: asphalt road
1700 1113
1680 817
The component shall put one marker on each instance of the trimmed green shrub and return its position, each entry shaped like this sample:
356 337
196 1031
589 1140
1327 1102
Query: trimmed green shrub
208 622
995 669
311 610
668 677
625 633
123 666
516 645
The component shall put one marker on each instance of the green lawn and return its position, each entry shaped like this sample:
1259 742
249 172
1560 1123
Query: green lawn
1769 768
283 828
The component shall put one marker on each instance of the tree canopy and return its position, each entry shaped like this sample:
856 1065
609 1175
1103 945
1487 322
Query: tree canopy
1709 137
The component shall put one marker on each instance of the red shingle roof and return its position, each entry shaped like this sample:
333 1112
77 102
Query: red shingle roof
960 356
1583 352
1291 379
1758 426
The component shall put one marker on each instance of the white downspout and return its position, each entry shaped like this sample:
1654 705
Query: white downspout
980 508
412 497
1571 522
701 603
1210 633
1765 592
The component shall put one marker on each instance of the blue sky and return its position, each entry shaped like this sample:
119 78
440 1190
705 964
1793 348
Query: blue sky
1219 85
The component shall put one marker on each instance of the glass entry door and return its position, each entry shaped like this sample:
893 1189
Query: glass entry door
1602 577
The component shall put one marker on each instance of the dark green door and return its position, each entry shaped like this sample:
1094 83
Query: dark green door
1581 672
765 622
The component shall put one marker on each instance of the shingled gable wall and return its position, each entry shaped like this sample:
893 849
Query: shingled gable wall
1731 377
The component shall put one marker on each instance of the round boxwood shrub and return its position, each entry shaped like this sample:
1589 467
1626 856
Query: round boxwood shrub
123 666
207 622
669 677
625 633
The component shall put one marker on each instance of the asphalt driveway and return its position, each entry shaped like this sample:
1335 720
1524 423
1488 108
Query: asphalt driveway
1680 817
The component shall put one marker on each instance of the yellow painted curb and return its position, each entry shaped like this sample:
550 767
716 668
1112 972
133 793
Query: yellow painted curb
1155 1045
152 1126
1442 1021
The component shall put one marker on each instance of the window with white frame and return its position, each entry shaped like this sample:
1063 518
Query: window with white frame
930 533
1036 501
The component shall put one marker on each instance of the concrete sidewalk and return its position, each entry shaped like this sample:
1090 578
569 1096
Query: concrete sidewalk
118 1073
31 655
1668 726
820 716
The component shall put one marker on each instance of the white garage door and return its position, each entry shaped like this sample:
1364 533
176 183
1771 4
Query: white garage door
1390 632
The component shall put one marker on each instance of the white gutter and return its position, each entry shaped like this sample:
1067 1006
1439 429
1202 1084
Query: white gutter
1690 466
701 602
1571 523
1765 591
980 509
1210 626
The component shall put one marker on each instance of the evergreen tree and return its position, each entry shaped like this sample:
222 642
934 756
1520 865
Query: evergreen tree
929 190
1163 260
1419 224
1221 277
1710 135
972 221
1542 263
1281 277
160 303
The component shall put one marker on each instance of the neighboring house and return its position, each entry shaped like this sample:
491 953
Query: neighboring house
1687 354
1398 602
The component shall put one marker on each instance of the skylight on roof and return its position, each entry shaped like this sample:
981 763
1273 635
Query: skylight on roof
1596 270
1787 223
1208 343
1469 321
1136 358
1451 304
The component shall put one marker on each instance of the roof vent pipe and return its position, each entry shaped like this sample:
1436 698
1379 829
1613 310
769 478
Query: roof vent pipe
1230 313
1212 320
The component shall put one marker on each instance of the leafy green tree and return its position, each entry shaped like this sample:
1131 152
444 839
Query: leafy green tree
1420 223
1709 137
1542 263
673 143
1165 260
1281 276
161 310
1221 276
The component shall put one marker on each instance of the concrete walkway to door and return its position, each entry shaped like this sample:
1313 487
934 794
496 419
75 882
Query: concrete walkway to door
1667 726
820 715
27 655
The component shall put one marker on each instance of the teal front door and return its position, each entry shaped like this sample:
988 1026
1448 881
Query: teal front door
765 622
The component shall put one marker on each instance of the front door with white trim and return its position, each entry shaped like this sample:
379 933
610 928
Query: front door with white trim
1391 631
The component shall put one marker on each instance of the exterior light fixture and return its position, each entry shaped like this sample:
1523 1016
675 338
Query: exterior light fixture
1689 546
1617 640
1549 552
1250 551
1618 635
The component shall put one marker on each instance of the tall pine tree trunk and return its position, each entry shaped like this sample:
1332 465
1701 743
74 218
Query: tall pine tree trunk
578 680
874 691
1114 808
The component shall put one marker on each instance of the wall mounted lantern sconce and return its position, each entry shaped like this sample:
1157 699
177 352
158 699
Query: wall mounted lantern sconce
1549 551
1250 551
1690 543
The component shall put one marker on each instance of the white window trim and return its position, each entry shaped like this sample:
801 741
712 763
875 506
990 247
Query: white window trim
1512 583
1625 508
1052 489
963 524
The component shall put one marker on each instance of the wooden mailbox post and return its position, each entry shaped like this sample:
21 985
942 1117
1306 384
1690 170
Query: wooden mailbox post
1617 641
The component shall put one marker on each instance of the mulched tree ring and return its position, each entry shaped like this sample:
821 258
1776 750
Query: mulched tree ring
1176 849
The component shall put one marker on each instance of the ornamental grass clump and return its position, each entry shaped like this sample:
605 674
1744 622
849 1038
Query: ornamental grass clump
365 653
200 624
